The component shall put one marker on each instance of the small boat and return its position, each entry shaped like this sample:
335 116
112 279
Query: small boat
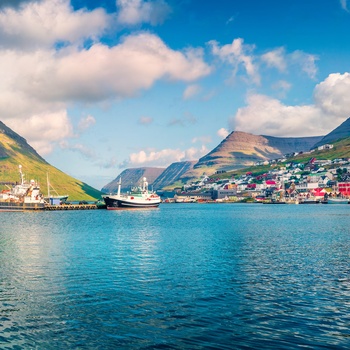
139 197
54 199
310 200
22 196
337 200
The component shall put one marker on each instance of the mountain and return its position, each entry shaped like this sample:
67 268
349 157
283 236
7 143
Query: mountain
132 177
241 149
338 133
173 173
15 151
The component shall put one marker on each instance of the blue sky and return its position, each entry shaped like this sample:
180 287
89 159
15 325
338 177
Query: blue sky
99 86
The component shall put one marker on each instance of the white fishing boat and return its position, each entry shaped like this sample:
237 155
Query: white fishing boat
139 197
338 200
22 196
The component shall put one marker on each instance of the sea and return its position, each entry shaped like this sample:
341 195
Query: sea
183 276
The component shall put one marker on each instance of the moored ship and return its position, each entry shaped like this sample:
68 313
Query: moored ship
139 197
22 196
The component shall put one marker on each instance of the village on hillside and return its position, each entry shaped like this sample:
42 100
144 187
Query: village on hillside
285 181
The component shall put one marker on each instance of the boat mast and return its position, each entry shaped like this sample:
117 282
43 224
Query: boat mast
48 185
21 174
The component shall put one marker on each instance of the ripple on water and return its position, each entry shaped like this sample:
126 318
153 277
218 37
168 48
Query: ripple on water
181 277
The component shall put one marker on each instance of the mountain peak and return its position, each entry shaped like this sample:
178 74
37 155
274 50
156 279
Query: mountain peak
241 149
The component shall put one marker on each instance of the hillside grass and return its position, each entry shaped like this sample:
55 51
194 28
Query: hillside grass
38 169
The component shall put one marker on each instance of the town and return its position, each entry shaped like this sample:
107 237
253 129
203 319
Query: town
283 180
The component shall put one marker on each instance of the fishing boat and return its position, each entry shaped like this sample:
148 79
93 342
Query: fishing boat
22 196
337 200
139 197
54 198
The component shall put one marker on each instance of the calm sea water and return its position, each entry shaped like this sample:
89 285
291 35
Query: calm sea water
184 276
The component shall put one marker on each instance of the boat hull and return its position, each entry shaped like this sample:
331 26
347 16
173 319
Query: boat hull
338 201
118 203
20 206
316 201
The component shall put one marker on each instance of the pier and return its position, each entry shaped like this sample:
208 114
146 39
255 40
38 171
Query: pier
71 207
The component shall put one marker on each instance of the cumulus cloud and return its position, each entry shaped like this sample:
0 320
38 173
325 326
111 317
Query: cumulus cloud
46 81
132 12
145 120
238 55
163 157
223 133
265 115
332 95
191 91
101 72
43 129
42 24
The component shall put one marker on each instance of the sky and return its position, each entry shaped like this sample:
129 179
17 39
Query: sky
100 86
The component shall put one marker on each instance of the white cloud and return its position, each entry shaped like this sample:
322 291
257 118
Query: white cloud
276 59
133 12
265 115
268 116
45 81
223 133
237 54
332 95
42 129
86 122
163 157
103 72
42 24
191 91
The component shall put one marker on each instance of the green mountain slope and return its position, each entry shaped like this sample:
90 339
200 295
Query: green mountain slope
15 151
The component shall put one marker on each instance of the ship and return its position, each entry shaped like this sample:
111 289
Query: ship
138 198
22 196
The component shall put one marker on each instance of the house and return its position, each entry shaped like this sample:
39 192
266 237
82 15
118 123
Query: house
326 146
344 188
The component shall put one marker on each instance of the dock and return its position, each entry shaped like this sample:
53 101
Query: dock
71 207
